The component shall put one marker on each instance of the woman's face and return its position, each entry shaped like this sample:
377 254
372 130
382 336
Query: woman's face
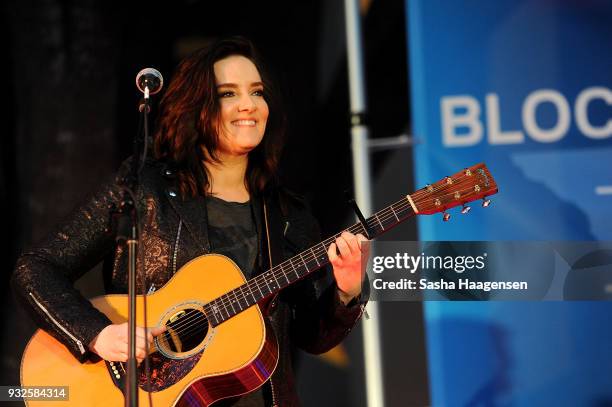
243 110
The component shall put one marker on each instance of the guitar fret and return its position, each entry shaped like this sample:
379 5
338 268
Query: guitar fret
323 253
381 225
315 256
215 311
245 297
298 267
389 222
259 288
285 274
293 267
394 214
226 310
232 304
305 265
219 313
275 279
236 291
313 264
245 294
216 319
209 314
237 300
266 281
406 209
252 295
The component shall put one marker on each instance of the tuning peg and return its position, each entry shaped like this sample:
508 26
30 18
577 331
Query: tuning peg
445 216
465 209
486 202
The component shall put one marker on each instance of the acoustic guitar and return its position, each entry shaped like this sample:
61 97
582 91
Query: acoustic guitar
217 344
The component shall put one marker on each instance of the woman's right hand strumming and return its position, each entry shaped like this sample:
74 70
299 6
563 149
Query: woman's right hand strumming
112 342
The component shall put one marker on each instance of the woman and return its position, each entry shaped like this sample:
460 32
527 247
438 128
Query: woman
210 189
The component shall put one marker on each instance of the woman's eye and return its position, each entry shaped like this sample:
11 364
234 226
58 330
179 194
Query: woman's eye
258 92
226 94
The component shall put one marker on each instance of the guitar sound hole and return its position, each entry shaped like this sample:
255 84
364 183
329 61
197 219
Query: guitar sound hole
185 331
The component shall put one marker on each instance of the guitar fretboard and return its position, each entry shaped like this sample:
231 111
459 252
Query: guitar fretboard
299 266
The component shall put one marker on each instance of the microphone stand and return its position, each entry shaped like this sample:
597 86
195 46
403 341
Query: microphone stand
127 233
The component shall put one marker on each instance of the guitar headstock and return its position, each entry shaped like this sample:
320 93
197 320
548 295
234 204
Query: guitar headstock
459 189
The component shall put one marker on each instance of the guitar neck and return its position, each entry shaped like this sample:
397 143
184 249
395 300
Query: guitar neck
461 188
300 265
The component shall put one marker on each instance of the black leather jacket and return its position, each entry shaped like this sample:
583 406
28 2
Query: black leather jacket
308 314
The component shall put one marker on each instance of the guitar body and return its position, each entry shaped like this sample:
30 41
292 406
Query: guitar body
196 364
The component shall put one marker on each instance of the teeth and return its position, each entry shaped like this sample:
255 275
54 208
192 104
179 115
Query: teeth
244 122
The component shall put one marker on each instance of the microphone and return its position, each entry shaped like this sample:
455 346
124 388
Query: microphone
149 81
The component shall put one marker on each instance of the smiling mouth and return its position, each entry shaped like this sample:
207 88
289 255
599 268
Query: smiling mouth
247 123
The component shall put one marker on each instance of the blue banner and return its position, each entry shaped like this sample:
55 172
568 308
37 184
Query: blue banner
526 87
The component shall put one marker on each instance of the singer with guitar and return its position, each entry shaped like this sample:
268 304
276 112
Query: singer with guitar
209 189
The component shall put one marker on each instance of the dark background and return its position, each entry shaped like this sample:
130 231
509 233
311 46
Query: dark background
69 115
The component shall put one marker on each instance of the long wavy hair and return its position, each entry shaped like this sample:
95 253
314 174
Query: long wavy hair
190 119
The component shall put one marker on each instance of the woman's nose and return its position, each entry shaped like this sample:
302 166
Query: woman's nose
246 103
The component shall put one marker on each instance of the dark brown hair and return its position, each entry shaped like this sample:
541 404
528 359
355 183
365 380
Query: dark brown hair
188 120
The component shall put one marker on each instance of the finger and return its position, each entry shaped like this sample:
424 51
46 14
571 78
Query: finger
122 332
331 253
140 344
343 247
350 238
353 242
121 356
364 245
140 336
140 354
143 332
158 330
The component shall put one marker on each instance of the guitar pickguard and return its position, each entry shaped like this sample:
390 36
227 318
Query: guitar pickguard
164 372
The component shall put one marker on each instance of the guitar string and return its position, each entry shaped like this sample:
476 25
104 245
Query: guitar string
225 304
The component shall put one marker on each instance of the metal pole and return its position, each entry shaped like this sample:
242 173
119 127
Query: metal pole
362 182
131 399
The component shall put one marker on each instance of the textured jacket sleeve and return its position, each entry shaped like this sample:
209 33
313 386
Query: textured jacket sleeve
44 275
320 320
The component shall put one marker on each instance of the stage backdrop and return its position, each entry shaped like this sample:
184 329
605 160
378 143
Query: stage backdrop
525 86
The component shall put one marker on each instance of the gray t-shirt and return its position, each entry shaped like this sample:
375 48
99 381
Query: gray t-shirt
232 231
